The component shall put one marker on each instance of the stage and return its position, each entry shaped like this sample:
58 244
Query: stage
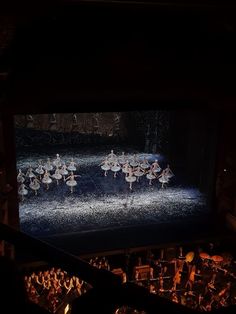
104 204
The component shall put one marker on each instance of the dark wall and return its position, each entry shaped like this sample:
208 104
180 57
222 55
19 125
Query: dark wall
194 135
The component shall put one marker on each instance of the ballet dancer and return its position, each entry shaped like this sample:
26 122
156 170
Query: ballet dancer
71 182
57 175
72 166
35 185
115 168
138 172
22 191
63 171
150 176
20 177
105 165
130 178
46 179
155 166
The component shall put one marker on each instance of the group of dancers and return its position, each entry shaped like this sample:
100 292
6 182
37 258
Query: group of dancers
56 170
33 178
134 168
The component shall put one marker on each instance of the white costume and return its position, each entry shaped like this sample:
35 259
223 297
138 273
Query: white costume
46 179
48 166
30 173
150 176
130 178
22 191
39 170
57 175
115 168
163 178
138 172
134 162
34 185
63 171
156 167
57 161
169 174
71 166
105 165
20 177
145 164
125 168
122 159
70 181
112 157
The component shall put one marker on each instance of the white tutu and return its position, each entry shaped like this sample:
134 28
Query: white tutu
105 167
134 163
71 168
34 186
122 160
115 168
130 179
31 175
163 179
57 161
150 176
71 183
47 180
20 179
22 191
63 172
57 176
138 173
158 169
48 167
112 158
39 170
144 166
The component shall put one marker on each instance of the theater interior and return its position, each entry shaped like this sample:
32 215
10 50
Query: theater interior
117 156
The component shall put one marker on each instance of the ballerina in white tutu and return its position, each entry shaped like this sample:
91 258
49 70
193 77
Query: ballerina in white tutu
30 173
150 176
20 177
70 181
48 165
134 161
122 159
112 157
168 172
46 179
115 168
155 166
63 171
57 161
35 185
130 178
163 178
72 165
125 168
105 165
57 175
40 170
22 191
145 164
138 172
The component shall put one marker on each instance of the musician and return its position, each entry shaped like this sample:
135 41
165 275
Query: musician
191 278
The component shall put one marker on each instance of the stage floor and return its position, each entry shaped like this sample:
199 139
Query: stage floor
101 203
